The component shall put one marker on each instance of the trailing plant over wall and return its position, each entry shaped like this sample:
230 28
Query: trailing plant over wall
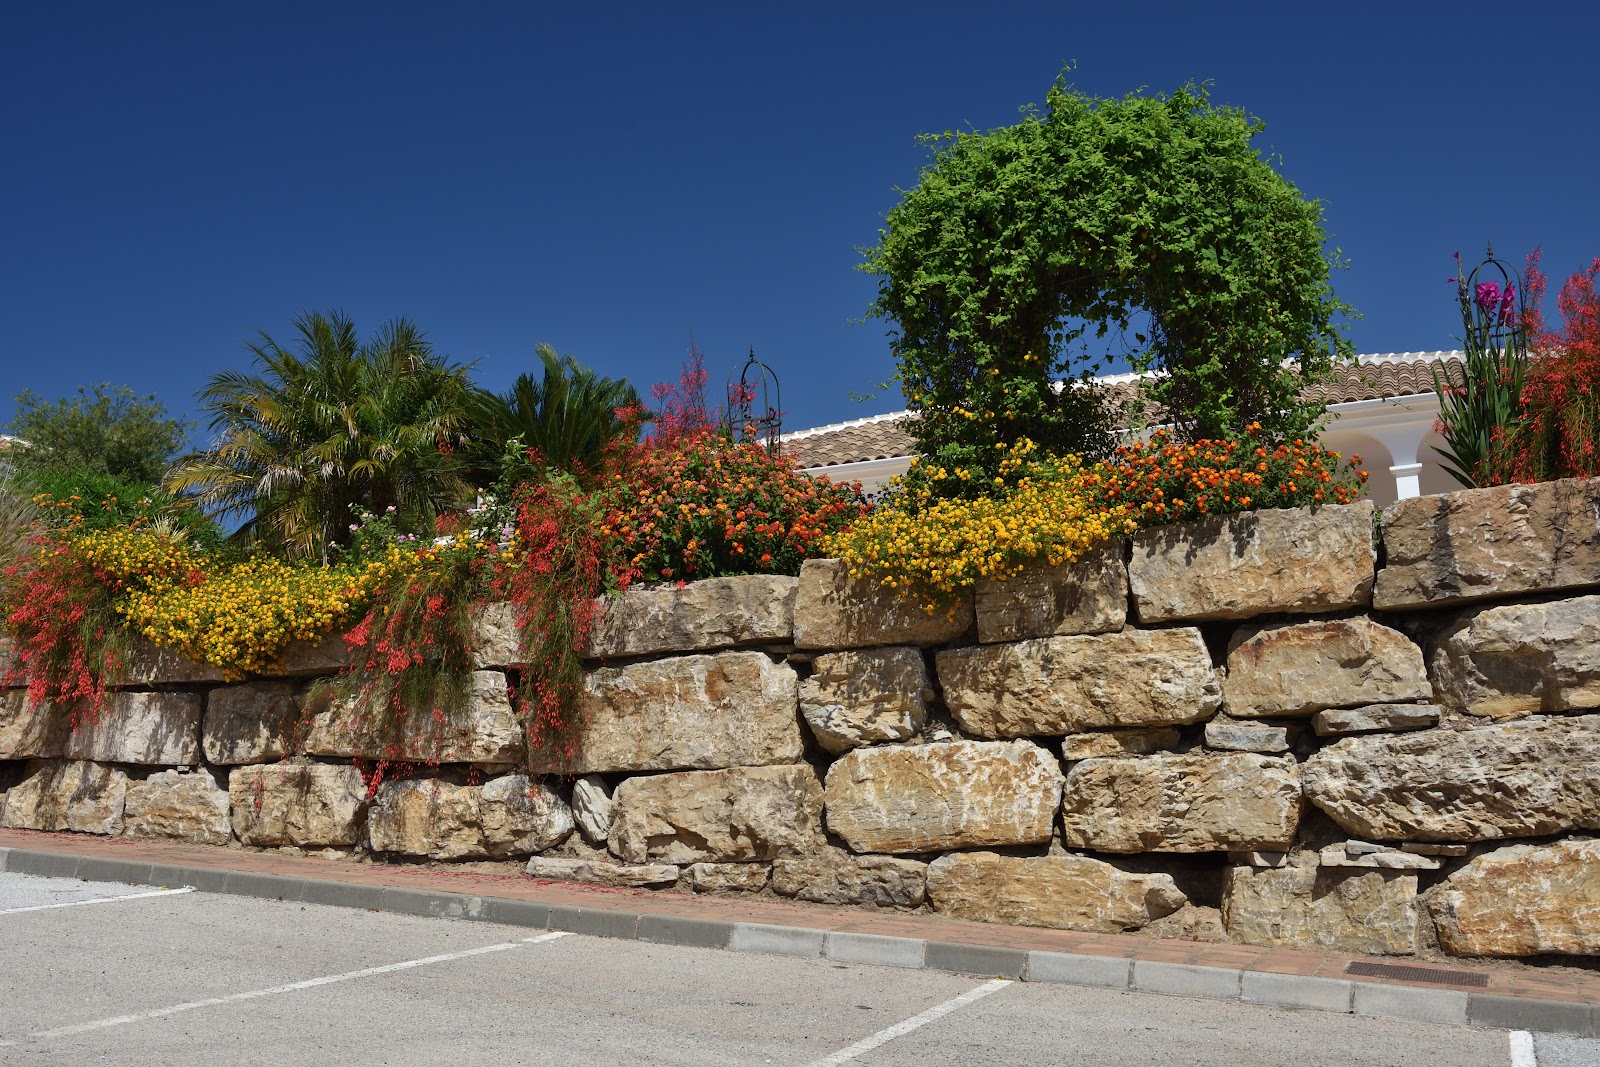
1559 433
1151 217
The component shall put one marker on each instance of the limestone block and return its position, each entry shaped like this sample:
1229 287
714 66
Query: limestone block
250 723
1392 718
485 732
834 876
732 709
709 614
301 659
508 816
1522 900
150 664
1301 668
602 872
1226 735
150 728
1520 779
1086 597
178 806
726 877
591 807
29 730
1193 803
1501 541
732 816
1059 685
310 805
833 611
958 794
856 698
1118 743
1302 560
1304 906
1514 660
84 797
1060 892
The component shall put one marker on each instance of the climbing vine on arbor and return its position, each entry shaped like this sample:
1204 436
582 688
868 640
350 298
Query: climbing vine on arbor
1151 218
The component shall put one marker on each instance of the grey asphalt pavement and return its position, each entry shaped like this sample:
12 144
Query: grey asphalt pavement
200 978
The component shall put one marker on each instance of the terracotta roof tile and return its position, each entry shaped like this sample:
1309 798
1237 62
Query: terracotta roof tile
1372 377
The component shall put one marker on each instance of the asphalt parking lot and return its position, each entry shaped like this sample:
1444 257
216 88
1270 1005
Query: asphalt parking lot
95 973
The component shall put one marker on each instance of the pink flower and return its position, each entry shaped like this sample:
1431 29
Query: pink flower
1488 295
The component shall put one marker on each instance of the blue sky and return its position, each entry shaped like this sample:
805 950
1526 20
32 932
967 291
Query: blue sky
614 179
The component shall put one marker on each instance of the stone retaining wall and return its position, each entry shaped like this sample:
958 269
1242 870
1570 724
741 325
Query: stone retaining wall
1247 728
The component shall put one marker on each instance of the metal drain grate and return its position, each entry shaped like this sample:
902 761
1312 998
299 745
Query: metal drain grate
1417 974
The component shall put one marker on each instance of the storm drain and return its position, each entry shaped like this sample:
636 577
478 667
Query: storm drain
1417 974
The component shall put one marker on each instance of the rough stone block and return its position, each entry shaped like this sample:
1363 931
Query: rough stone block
1520 779
732 709
1500 541
958 794
1303 560
1059 685
1301 668
150 664
859 697
485 732
726 877
1191 803
1118 743
1226 735
508 816
602 872
1371 911
709 614
1086 597
1375 718
833 610
29 730
834 876
1522 900
731 816
250 723
310 805
1060 892
591 807
162 729
67 795
1515 660
178 806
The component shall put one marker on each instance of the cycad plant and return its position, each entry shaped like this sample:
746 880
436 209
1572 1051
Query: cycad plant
562 420
328 426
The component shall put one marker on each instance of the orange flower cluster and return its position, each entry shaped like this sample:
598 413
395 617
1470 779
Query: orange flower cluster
1167 482
707 506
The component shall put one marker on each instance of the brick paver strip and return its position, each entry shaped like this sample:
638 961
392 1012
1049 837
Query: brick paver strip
1512 998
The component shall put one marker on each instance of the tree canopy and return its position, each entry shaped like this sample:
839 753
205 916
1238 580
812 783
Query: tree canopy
103 429
1149 217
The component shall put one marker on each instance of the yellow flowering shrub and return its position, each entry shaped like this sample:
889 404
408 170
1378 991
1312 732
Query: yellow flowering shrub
932 543
237 615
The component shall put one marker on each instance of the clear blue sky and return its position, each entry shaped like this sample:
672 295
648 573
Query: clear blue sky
177 177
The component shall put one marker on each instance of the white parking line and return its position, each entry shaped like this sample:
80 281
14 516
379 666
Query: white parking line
99 900
291 987
1522 1052
938 1011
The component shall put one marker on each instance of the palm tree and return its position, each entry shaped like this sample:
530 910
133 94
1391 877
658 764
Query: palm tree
327 427
566 419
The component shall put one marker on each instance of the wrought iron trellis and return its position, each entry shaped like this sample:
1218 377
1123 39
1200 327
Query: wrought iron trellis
755 403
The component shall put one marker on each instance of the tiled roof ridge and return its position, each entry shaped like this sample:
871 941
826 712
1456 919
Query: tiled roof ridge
834 427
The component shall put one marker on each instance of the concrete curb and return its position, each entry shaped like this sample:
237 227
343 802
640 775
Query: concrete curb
1345 996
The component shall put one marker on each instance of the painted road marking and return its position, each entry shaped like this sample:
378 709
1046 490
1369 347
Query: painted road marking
1522 1053
938 1011
99 900
291 987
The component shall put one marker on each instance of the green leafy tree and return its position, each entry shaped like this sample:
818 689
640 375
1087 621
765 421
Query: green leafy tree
104 429
1151 218
566 418
327 427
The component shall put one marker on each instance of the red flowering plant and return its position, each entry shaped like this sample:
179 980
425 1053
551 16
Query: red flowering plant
1558 435
1168 482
